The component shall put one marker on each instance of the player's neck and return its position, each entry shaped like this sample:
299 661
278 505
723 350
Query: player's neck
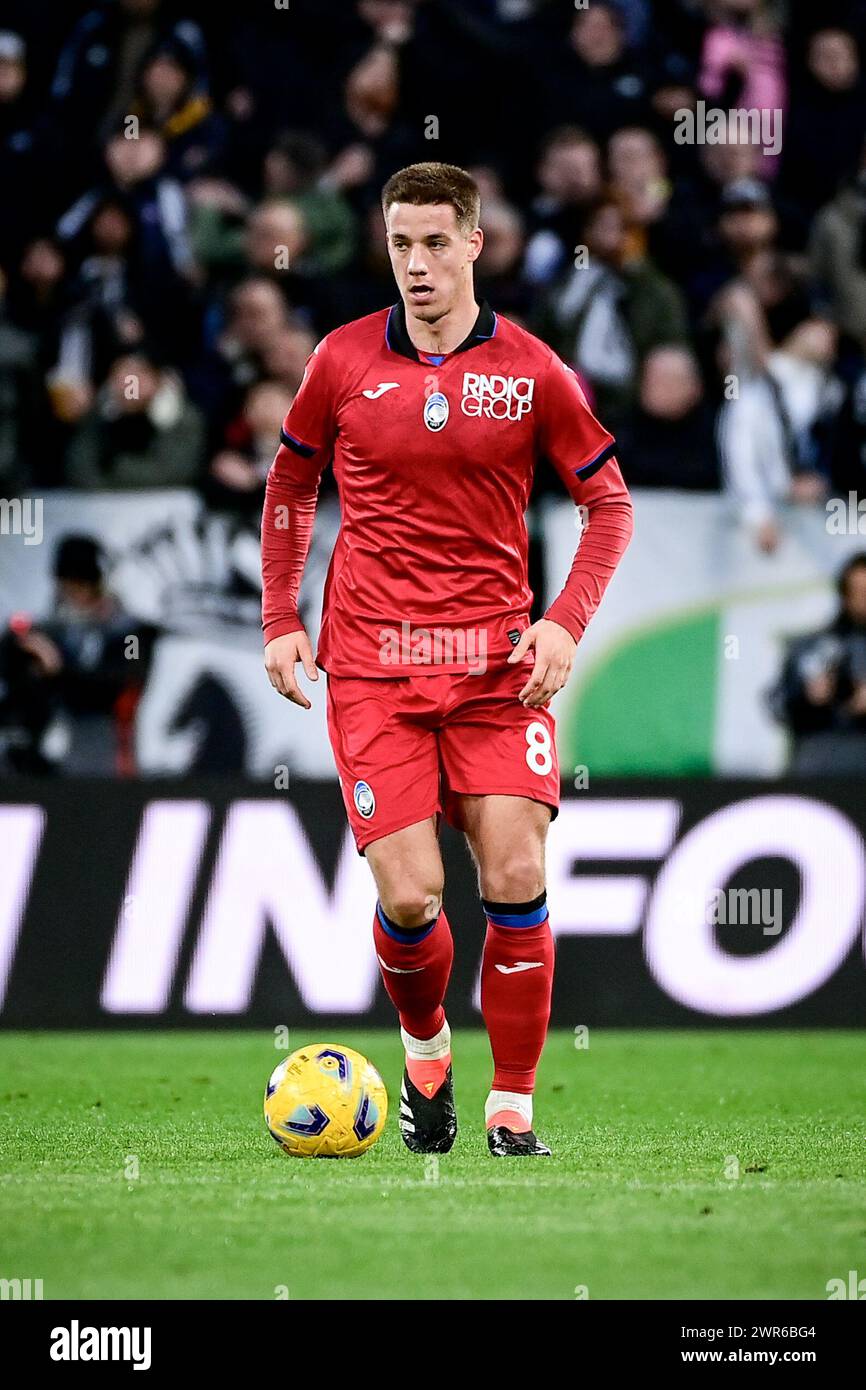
448 332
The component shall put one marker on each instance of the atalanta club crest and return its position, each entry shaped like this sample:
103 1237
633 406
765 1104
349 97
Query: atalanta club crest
364 799
436 411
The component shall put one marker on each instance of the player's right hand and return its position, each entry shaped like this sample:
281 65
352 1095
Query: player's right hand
281 657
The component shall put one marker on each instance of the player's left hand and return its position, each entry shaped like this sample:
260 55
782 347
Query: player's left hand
554 656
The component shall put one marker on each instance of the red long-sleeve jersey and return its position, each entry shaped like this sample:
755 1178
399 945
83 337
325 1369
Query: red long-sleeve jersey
434 460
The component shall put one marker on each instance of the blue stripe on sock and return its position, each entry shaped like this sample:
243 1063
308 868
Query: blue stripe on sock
406 938
518 919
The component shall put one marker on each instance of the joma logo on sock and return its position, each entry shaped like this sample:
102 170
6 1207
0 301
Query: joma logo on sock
77 1343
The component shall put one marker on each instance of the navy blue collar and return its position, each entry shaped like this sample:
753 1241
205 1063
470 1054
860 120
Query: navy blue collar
398 340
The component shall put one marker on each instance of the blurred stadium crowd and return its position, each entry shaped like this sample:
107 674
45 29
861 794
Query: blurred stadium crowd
204 246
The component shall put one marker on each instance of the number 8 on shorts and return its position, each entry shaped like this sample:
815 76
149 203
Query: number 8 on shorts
539 754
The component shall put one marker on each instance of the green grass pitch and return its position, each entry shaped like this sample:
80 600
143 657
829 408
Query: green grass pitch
686 1165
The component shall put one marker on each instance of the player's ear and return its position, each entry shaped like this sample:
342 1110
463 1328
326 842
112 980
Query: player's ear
475 242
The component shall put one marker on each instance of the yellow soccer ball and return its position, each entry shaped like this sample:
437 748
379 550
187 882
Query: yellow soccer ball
325 1101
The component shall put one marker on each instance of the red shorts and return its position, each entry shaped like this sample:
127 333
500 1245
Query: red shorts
407 747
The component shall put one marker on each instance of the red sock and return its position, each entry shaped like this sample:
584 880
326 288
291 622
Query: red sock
516 984
415 968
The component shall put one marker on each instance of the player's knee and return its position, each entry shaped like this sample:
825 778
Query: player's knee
411 905
518 879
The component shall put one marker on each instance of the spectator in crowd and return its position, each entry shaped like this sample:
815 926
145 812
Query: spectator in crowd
777 362
610 311
38 289
142 432
371 285
239 471
748 224
370 134
387 106
18 394
276 73
669 440
826 127
173 101
673 65
838 257
278 243
284 357
95 82
638 171
302 230
843 441
500 281
257 315
217 210
105 300
69 685
685 240
743 65
295 169
595 79
137 180
821 694
38 302
26 152
257 311
570 178
275 239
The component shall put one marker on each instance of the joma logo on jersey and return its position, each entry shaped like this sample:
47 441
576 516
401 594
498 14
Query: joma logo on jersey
497 397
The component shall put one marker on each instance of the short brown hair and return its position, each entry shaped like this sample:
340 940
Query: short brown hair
432 182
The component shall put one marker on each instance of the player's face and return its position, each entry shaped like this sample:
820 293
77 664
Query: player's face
430 256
